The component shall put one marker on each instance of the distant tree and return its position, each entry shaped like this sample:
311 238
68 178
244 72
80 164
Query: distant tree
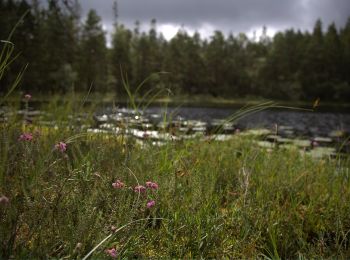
184 60
147 56
57 43
333 53
63 53
314 74
120 57
216 59
279 74
343 89
345 41
175 62
93 60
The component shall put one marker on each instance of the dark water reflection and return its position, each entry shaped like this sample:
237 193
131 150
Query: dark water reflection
303 122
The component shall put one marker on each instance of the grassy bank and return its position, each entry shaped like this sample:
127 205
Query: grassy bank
214 199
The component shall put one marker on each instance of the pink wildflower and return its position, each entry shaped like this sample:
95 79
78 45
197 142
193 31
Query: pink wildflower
140 189
118 184
152 185
112 252
4 200
27 97
151 204
61 146
314 143
26 137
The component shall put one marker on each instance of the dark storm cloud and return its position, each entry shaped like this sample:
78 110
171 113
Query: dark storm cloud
196 12
225 15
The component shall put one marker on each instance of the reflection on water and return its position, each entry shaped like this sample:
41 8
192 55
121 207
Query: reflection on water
322 133
302 123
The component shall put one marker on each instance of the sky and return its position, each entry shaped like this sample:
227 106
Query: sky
228 16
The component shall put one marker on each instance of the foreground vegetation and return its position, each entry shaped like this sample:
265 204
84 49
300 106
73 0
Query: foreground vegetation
64 191
68 194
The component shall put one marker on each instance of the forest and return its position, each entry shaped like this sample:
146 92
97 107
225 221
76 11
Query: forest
66 52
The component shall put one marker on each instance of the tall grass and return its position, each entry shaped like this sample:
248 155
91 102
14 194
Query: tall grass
7 57
218 199
215 199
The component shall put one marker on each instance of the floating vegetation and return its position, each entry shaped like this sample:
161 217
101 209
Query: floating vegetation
151 129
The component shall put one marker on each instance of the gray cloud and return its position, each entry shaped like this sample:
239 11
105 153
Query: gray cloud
226 15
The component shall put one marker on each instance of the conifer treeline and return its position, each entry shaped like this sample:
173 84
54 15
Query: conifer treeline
65 53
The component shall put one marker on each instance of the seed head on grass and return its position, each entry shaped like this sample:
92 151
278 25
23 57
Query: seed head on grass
61 146
4 200
78 246
113 228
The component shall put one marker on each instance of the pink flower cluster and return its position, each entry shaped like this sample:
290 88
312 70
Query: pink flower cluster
112 252
27 97
26 137
140 189
61 146
152 185
149 184
118 184
314 143
150 204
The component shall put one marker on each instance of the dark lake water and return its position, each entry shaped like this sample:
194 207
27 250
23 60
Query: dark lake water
321 122
319 133
303 123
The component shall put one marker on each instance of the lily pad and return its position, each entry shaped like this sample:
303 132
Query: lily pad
288 147
265 144
320 152
323 139
302 143
337 134
257 132
222 137
284 140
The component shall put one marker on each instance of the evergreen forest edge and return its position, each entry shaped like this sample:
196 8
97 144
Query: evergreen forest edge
65 53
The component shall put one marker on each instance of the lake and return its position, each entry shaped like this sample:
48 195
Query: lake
321 132
301 123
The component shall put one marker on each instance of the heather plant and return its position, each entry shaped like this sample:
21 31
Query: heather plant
63 192
69 194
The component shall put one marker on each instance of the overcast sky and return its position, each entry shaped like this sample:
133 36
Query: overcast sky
233 16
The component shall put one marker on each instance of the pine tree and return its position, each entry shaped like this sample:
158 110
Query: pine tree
93 60
120 57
